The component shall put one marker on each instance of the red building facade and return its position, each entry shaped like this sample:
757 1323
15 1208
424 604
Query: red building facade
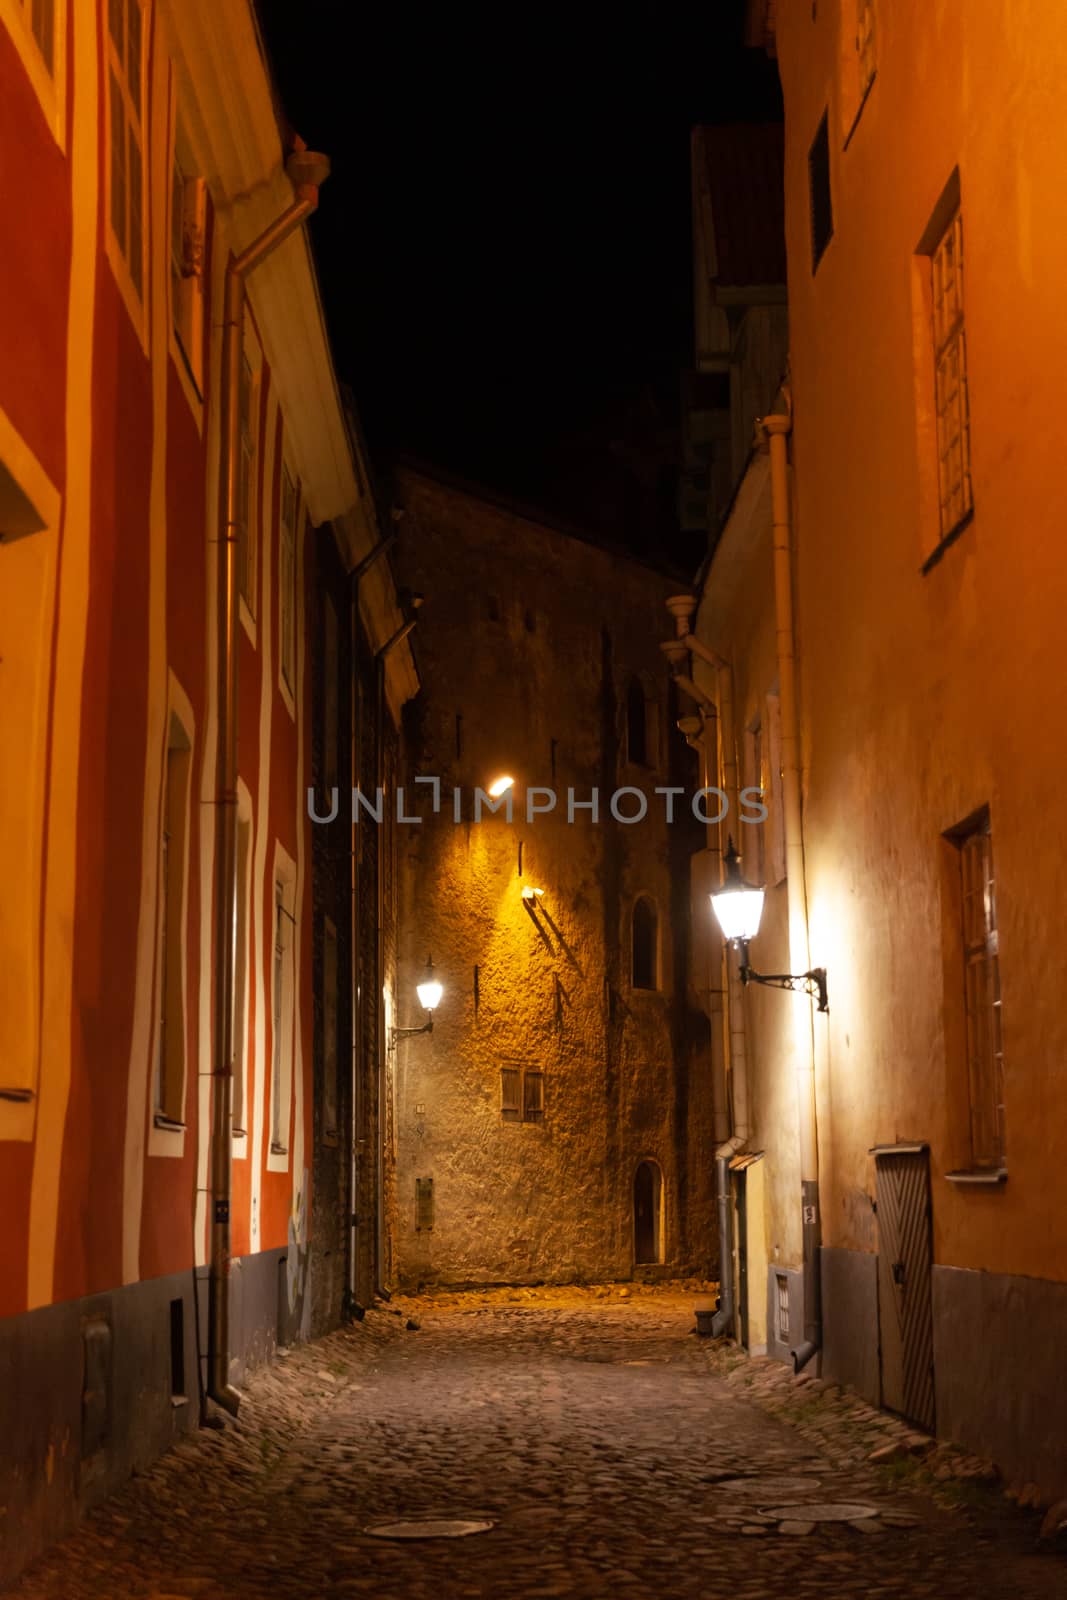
140 147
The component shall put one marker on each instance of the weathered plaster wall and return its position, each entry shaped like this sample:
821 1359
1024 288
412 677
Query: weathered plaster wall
526 645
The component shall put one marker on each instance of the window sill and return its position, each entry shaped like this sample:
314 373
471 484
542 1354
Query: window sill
173 1126
19 1096
179 1400
950 539
983 1177
278 1149
238 1133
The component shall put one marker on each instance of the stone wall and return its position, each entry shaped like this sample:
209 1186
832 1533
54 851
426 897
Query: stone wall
528 643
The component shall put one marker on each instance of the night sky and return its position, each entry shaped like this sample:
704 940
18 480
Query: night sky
504 242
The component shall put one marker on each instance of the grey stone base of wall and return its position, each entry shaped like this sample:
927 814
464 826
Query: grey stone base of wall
999 1345
88 1395
849 1282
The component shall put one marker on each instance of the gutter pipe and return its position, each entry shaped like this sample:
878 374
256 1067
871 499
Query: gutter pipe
775 430
306 170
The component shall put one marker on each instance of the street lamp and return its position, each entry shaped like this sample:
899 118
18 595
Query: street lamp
429 992
500 786
738 906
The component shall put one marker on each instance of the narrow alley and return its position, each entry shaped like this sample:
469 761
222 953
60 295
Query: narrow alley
605 1445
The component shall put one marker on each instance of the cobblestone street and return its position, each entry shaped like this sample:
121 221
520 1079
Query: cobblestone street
613 1451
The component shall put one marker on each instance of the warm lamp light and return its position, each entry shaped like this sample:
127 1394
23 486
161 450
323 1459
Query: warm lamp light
429 992
738 906
500 786
529 893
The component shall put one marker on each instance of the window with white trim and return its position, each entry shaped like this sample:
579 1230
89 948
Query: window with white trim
38 32
240 972
287 581
173 859
281 1078
188 210
247 508
125 99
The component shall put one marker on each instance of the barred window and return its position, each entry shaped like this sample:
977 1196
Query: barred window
950 357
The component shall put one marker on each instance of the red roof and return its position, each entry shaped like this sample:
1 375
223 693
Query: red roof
744 173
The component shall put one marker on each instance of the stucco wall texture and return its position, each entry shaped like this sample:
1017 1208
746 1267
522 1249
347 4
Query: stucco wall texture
527 643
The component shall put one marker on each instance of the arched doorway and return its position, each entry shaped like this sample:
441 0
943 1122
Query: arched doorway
648 1213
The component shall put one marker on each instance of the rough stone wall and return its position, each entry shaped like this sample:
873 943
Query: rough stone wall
526 644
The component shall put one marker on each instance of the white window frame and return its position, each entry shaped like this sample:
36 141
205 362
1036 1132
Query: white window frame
28 577
288 584
243 1046
167 1135
282 1015
134 133
249 555
187 233
50 87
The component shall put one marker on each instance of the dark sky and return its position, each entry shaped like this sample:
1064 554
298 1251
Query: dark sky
504 242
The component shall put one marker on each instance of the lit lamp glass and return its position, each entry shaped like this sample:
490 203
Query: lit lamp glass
737 905
500 786
429 990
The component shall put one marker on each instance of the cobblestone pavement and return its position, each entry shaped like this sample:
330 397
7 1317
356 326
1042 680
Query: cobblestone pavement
614 1452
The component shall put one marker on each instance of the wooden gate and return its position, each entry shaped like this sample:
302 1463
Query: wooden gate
904 1261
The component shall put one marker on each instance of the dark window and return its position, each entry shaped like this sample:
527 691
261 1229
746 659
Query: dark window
822 216
645 941
423 1205
511 1094
533 1096
636 724
981 990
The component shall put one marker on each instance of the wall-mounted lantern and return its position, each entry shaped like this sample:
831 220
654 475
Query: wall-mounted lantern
738 906
500 786
429 992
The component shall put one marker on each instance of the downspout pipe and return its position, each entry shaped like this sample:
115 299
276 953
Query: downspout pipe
306 170
730 1106
775 431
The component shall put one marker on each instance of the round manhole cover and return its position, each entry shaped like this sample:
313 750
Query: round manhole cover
821 1511
427 1528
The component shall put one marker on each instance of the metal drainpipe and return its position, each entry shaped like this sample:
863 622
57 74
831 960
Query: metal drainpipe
306 170
355 1121
732 1019
776 430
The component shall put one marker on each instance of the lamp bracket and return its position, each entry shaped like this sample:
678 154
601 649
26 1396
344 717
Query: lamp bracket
410 1033
812 983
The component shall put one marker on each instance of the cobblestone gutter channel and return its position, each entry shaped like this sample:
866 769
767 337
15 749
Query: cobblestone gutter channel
612 1451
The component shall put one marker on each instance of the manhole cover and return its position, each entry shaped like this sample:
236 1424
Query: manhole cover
825 1511
427 1528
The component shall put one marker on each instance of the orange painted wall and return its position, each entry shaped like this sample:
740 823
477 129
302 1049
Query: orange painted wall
926 696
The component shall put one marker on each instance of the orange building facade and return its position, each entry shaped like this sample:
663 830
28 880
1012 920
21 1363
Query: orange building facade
915 439
140 148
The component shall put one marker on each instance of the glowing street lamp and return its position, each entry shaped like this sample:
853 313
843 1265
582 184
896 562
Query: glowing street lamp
500 786
738 906
429 992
